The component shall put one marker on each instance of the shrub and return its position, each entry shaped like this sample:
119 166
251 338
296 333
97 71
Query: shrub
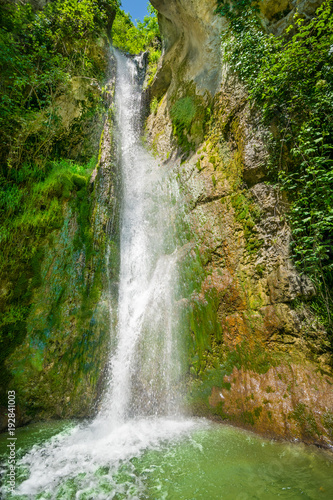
291 79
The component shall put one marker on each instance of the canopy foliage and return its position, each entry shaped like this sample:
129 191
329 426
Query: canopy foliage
39 53
135 39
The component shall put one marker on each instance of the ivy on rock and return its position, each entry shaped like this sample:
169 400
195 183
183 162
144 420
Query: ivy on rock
290 78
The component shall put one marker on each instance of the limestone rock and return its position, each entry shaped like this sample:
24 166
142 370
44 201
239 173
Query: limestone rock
278 15
242 312
191 34
292 400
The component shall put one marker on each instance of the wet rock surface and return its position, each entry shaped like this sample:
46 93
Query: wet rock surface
287 401
58 370
251 303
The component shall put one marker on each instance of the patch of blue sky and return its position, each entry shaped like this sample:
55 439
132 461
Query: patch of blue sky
136 8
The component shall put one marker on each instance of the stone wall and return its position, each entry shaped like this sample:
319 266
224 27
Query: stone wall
258 357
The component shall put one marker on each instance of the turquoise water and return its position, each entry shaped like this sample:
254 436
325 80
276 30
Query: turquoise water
203 461
227 463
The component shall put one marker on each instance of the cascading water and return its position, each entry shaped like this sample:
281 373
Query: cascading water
145 358
140 408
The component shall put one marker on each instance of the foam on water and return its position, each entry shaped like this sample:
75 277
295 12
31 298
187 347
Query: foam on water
90 447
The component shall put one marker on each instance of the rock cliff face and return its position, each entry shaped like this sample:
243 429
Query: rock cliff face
258 356
278 15
58 368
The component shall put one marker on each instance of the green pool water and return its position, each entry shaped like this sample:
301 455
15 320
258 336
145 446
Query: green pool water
227 463
209 461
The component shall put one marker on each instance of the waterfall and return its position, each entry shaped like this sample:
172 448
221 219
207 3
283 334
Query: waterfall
140 410
145 360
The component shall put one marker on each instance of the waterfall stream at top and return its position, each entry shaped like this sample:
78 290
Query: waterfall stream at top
140 407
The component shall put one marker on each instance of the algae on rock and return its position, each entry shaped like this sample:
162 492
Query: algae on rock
55 292
247 322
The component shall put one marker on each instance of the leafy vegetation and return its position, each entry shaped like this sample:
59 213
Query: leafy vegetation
42 54
40 51
291 78
135 39
237 11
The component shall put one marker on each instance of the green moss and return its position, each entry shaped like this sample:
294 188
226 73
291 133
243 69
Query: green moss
154 147
183 111
100 148
219 411
153 59
253 358
247 417
247 213
154 105
57 200
327 420
257 411
260 269
25 232
198 165
189 115
206 331
250 417
213 161
305 419
215 363
214 180
182 114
